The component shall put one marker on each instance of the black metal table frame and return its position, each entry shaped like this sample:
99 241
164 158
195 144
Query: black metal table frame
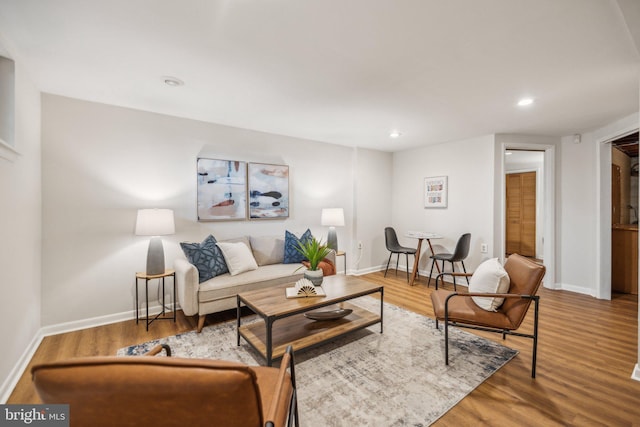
164 307
269 320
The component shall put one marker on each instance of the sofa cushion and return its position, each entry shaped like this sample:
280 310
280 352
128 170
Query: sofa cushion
206 257
225 285
291 241
268 250
238 257
489 277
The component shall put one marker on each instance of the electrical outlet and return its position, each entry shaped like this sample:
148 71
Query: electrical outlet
359 245
484 248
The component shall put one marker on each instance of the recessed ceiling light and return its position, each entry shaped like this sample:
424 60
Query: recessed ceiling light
508 153
525 101
394 134
172 81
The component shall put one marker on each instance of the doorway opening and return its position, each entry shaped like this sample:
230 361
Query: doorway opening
624 214
524 203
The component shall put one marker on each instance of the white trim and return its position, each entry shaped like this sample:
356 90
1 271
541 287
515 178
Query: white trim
549 216
19 368
367 270
8 152
603 212
636 373
576 289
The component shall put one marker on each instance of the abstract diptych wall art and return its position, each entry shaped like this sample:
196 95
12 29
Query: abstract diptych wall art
222 190
234 190
268 191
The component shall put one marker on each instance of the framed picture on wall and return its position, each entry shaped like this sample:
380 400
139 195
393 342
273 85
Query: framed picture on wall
435 192
222 190
268 191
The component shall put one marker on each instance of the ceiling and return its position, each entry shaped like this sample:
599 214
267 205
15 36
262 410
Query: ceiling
343 72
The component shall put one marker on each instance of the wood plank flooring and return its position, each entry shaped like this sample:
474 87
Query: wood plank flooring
587 352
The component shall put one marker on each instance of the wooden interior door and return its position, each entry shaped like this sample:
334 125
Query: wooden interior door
615 194
521 214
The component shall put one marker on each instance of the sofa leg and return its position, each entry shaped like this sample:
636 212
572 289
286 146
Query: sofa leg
201 320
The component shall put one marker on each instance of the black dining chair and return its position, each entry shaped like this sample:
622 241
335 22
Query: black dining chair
394 247
459 254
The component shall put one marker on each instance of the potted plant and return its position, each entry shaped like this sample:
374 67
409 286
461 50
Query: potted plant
314 252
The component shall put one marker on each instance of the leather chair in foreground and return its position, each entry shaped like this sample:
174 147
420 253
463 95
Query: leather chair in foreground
167 391
460 310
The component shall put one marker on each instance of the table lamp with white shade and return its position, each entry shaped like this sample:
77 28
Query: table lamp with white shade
156 223
332 217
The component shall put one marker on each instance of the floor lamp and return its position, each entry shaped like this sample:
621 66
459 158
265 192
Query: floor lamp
332 217
156 223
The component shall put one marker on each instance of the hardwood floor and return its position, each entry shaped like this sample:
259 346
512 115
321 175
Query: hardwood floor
586 354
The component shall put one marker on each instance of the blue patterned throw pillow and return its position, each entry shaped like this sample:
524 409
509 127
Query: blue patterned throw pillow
206 257
291 255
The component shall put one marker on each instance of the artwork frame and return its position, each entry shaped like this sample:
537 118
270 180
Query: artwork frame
436 192
268 191
221 190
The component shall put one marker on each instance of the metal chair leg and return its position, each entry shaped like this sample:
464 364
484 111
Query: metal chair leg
387 269
433 261
453 270
465 271
407 256
397 262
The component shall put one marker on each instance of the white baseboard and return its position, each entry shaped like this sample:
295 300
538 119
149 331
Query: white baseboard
17 371
576 289
15 374
636 373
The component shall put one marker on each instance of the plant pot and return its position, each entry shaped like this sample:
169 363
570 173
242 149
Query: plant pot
315 276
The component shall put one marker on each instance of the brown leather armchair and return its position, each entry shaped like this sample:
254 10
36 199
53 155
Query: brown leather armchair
167 391
459 309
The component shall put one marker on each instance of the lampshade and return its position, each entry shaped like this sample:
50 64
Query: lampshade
332 217
155 222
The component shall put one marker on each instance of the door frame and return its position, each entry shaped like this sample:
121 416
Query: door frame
549 208
603 238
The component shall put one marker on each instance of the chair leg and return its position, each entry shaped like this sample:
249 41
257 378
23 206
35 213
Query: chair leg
431 273
407 256
397 263
453 270
465 271
446 338
536 301
387 269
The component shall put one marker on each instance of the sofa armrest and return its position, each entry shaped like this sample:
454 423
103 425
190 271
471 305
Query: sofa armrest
187 286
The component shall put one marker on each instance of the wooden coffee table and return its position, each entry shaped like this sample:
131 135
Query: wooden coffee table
284 323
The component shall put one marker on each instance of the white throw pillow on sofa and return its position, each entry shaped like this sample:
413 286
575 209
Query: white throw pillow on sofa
489 277
238 257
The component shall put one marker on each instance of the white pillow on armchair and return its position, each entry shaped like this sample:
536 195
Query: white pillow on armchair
489 277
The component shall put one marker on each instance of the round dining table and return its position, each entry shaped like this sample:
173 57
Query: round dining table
421 235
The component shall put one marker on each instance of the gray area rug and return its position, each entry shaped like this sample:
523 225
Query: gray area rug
397 378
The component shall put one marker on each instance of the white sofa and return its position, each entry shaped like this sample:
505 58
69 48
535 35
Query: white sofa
219 293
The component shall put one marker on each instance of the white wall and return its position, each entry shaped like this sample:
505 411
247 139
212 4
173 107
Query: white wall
20 225
584 210
469 164
373 187
101 163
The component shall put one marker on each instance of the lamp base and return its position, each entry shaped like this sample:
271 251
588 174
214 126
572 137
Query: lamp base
155 257
332 239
